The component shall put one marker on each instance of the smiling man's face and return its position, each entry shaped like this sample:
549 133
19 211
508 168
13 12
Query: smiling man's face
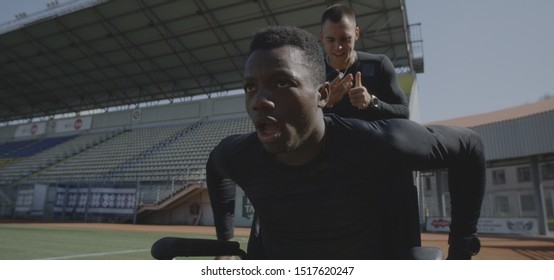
338 39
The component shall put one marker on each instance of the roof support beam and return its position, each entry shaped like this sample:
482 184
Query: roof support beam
155 21
205 12
109 26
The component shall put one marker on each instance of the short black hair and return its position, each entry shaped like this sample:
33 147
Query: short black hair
276 36
337 12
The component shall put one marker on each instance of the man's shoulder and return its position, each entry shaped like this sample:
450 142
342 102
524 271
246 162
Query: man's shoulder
232 148
370 57
345 125
342 125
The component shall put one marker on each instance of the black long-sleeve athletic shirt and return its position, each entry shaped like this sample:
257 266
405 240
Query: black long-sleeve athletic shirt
332 207
379 78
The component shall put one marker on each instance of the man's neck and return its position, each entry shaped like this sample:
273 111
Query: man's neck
342 65
309 150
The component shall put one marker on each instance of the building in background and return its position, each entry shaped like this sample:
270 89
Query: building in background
519 149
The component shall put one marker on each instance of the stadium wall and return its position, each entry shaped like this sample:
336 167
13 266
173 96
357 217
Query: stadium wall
198 211
194 211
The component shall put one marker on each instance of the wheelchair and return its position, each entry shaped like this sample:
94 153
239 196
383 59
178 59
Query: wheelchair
401 218
169 248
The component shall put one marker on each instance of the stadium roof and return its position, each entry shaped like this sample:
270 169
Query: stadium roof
503 115
127 52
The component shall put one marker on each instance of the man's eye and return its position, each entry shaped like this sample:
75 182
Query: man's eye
283 84
249 88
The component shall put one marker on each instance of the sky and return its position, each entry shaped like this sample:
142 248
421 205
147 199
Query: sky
480 55
483 55
8 8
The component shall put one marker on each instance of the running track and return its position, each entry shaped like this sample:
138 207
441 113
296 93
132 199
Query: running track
493 247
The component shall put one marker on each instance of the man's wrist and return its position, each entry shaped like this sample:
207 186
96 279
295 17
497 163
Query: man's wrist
374 102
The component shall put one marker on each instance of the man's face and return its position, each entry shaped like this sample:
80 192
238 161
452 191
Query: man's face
338 40
282 100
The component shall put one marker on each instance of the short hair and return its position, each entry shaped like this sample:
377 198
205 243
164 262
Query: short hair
337 12
273 37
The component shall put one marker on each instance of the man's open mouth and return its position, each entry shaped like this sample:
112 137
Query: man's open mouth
268 130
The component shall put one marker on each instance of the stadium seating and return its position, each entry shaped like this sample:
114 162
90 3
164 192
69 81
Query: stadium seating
10 147
47 152
151 152
37 147
161 158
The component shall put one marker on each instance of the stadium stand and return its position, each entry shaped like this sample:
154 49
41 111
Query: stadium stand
10 147
153 155
184 154
47 152
126 141
38 146
101 161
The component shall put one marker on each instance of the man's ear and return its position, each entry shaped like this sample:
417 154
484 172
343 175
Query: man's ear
324 91
357 32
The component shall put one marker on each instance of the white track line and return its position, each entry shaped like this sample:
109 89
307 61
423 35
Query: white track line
96 254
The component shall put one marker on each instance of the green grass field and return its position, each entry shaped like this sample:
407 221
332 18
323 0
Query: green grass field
29 242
